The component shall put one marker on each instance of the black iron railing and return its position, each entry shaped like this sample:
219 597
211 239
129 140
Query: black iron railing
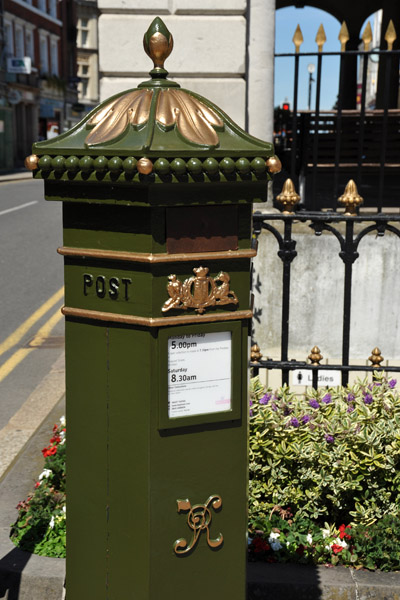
321 146
356 227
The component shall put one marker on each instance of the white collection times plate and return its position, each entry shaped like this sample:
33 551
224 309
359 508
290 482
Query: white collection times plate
199 374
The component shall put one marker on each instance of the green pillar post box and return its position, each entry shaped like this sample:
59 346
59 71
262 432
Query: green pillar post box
157 186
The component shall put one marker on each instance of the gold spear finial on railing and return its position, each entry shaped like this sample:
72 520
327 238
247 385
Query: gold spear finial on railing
367 36
288 197
320 38
343 36
390 35
351 199
255 354
298 39
376 358
315 356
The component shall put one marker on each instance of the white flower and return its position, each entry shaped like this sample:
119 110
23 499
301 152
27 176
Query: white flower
340 542
64 508
272 540
51 524
62 434
309 538
325 533
62 421
45 473
62 442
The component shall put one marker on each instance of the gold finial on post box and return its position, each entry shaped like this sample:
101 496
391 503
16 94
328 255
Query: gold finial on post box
158 43
288 197
315 356
351 199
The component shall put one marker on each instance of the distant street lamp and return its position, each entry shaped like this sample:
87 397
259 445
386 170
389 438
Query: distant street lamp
310 69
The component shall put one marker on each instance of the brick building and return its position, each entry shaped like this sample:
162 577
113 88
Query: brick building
36 102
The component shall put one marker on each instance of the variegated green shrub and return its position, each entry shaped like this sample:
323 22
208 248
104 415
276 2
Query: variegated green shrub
331 454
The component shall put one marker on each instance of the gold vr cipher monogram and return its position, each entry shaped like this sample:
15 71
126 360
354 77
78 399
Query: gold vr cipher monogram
101 286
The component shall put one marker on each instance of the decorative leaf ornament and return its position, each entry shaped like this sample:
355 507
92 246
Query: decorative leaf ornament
114 118
195 121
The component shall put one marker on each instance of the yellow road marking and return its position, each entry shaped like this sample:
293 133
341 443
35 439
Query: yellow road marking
38 339
19 333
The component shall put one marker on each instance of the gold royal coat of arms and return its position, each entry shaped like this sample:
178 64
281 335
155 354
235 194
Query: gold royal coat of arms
199 292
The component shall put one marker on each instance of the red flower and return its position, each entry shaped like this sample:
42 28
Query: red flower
343 533
37 484
260 545
56 439
336 548
49 451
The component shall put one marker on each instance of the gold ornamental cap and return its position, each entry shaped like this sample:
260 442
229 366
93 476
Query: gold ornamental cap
157 131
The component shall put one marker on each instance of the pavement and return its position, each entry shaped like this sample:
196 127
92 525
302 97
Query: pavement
15 175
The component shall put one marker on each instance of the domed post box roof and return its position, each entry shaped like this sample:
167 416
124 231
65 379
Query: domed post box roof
157 132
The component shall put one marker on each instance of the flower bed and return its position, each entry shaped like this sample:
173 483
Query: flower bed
324 474
324 479
41 524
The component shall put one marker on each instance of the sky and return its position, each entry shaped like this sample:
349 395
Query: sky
309 20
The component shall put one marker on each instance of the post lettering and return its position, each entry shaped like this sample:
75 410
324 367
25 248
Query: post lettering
114 285
126 281
87 282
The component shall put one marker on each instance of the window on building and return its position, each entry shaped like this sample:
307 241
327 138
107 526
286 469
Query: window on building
19 42
44 55
42 5
9 41
53 8
83 87
54 57
83 32
29 47
29 2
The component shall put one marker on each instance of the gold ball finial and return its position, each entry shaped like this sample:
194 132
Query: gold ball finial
288 197
144 166
315 356
376 358
274 165
158 43
255 353
31 162
351 199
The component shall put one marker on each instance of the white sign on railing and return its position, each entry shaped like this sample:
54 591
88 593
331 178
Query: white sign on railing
325 377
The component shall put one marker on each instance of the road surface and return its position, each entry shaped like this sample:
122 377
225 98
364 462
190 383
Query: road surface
31 292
